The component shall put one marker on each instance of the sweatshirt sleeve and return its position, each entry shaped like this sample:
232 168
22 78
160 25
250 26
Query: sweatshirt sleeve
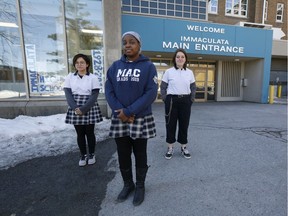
70 99
163 90
193 90
110 91
150 94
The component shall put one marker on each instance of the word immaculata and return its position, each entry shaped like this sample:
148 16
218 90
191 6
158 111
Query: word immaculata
204 44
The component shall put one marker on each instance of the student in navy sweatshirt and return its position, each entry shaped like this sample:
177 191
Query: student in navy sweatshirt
130 89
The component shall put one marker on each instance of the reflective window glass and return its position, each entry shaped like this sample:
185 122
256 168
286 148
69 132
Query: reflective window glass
153 11
11 62
84 28
213 6
44 46
177 8
236 7
279 13
135 9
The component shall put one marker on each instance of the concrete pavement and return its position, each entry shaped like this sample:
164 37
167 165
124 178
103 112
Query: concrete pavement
238 165
238 168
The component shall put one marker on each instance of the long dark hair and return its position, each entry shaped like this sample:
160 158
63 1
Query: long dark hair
174 58
86 59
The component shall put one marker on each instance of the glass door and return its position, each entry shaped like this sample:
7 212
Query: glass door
201 83
210 82
160 72
204 75
205 81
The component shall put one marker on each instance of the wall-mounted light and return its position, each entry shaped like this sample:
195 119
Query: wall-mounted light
200 57
90 31
6 24
236 60
158 56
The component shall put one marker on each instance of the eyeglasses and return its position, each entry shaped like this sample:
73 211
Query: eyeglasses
80 63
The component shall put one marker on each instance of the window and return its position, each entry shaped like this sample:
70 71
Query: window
84 29
236 8
190 9
279 12
11 63
44 46
213 6
266 10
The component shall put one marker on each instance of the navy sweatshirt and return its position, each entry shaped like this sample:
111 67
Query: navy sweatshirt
131 86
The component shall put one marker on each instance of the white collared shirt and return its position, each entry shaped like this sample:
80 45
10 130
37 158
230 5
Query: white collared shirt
178 81
81 86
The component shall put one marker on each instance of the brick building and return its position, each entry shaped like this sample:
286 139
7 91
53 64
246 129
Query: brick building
270 14
260 13
39 40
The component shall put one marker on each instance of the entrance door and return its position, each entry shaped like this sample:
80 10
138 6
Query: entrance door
205 82
160 72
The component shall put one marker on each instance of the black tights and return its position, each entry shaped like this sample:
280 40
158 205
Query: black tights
125 146
83 132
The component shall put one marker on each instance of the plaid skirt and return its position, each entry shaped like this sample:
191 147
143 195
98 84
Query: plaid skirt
91 117
141 128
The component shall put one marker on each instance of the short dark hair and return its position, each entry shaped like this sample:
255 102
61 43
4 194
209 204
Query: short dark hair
174 58
85 57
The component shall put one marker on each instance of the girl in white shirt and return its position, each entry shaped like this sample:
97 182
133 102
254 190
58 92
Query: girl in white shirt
178 90
81 90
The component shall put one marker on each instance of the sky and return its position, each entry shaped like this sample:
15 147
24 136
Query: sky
26 137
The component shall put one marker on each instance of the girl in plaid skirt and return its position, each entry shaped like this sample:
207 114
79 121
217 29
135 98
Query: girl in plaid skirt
81 90
130 89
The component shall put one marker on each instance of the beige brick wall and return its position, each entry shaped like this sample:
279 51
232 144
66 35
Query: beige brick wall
271 19
255 10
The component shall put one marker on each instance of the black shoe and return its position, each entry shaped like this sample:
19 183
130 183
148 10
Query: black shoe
169 153
185 153
139 196
127 189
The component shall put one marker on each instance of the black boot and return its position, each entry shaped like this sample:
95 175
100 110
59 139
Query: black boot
129 185
140 186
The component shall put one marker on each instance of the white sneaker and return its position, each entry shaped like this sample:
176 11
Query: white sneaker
91 159
169 153
185 153
83 160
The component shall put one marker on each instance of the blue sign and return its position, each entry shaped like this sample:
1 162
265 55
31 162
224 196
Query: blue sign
166 35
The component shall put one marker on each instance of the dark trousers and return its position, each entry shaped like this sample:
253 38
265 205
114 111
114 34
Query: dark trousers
86 132
177 110
125 146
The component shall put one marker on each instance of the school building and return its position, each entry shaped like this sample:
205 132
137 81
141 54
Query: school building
236 49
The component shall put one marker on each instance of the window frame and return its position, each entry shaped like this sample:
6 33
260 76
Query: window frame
197 10
211 6
266 11
280 6
234 10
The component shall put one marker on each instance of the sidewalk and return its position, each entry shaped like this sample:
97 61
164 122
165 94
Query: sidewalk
282 100
238 168
238 165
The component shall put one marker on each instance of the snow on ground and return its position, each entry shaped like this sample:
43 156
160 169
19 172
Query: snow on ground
27 137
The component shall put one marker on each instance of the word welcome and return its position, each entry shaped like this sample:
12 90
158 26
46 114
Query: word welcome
206 29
